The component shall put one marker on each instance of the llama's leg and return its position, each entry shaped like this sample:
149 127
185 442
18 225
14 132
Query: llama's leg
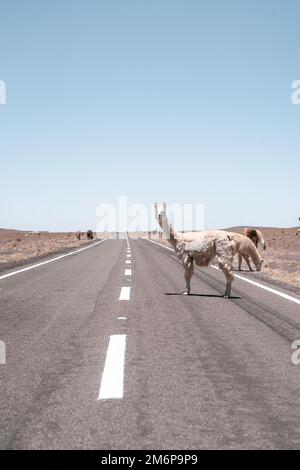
225 252
240 261
227 270
188 265
229 279
246 258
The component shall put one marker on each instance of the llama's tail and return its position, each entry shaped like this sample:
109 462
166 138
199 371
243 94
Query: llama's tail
233 243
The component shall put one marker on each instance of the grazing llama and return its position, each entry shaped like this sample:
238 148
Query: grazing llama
245 248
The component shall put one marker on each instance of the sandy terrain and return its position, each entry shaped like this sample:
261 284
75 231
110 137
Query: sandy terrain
281 259
18 247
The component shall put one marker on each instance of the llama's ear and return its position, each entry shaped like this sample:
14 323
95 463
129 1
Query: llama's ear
165 206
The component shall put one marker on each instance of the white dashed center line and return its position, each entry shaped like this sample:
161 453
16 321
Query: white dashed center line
128 256
128 261
127 272
112 386
125 293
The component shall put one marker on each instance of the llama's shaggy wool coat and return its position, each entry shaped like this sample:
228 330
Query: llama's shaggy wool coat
208 245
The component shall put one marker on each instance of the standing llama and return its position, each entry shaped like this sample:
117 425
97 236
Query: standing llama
199 248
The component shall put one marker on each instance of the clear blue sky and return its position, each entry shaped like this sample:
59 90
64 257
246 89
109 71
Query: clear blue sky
184 101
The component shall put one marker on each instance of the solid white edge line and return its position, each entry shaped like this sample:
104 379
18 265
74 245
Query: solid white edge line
160 244
50 260
257 284
125 293
112 381
262 286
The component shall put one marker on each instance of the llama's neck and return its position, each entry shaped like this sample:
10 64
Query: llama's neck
168 231
174 237
254 254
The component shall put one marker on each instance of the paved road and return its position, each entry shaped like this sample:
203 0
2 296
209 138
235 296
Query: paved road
199 371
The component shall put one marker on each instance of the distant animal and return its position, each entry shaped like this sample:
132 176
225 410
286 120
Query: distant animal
78 235
245 248
199 248
256 236
89 235
32 233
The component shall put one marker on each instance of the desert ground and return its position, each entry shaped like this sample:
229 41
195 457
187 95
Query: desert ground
21 247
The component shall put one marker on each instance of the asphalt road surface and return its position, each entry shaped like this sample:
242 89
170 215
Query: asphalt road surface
100 358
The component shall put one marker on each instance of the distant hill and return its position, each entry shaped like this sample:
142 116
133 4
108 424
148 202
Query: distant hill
241 228
12 231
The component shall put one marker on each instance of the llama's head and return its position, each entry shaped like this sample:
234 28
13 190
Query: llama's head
258 264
